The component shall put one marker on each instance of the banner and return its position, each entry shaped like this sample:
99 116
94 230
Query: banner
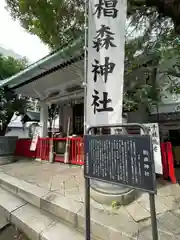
153 131
34 141
106 42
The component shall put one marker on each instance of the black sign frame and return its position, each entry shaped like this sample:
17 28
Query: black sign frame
87 187
137 174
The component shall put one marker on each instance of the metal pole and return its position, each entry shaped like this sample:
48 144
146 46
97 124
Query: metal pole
120 125
85 60
87 180
153 216
87 203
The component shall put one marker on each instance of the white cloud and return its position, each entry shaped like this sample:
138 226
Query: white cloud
15 38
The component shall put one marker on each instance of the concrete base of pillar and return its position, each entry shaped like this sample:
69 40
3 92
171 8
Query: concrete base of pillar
107 199
106 193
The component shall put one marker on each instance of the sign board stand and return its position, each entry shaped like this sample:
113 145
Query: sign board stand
118 146
153 216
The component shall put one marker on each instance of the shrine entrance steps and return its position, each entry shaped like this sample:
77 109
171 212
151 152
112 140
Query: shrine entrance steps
46 202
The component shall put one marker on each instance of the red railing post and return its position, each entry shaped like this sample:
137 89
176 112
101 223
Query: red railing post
164 161
170 162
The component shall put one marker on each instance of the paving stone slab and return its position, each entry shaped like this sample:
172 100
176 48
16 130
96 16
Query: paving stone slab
116 235
8 182
170 221
29 192
12 233
31 221
145 231
61 207
62 180
57 231
71 183
160 208
105 225
3 221
176 213
165 191
9 203
169 202
137 211
147 235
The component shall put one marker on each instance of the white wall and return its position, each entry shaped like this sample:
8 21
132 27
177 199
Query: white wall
16 122
18 132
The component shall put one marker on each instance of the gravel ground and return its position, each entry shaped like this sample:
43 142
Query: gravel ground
11 233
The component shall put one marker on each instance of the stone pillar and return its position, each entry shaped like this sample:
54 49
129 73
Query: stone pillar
61 117
44 119
67 112
106 193
43 124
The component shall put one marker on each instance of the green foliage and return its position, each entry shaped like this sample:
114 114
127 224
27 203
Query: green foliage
56 22
115 205
59 22
150 39
9 101
10 66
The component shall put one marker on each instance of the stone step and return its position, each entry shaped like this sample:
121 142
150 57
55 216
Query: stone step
104 225
35 223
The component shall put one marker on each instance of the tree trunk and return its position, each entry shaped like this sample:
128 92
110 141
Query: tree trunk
50 128
154 85
51 145
3 130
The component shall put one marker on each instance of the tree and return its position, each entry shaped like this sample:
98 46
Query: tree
53 111
9 101
165 8
58 23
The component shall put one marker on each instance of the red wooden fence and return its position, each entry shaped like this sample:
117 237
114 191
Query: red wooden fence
76 153
75 150
23 148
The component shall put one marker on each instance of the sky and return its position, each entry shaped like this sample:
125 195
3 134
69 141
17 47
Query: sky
14 37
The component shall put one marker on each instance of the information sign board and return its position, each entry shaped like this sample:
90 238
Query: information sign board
121 159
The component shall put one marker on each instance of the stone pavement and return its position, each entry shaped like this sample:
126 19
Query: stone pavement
133 219
11 233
